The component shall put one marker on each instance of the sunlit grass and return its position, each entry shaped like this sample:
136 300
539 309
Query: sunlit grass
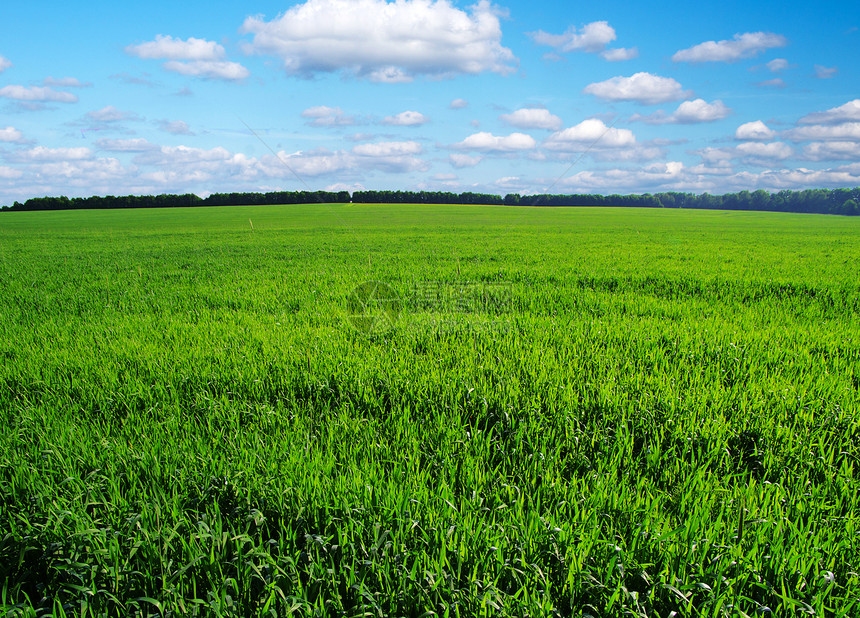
660 417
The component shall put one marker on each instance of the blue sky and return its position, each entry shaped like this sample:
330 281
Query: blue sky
508 97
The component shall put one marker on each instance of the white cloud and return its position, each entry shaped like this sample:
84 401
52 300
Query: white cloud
406 119
10 173
460 160
823 72
846 112
11 135
66 82
175 127
41 94
688 112
487 142
588 134
777 64
641 87
211 69
111 114
324 116
744 45
383 41
832 151
532 118
165 47
776 82
593 37
756 130
767 151
620 54
388 149
43 154
839 132
5 63
394 157
390 157
125 145
459 104
192 57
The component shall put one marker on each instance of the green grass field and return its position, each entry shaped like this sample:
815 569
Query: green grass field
602 412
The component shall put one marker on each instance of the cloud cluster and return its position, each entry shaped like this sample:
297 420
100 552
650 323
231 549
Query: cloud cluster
746 45
382 41
5 63
192 57
592 38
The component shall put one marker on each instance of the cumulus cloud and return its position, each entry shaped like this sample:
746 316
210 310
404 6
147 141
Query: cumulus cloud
192 57
641 87
43 154
37 94
487 142
587 134
388 149
382 41
390 157
844 113
5 63
846 131
744 45
459 104
10 173
755 130
165 47
406 119
532 118
324 116
11 135
394 157
211 69
752 153
832 151
823 72
766 151
460 160
688 112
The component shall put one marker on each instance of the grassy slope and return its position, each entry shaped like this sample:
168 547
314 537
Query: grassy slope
661 419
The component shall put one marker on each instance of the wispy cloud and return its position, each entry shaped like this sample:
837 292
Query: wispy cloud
744 45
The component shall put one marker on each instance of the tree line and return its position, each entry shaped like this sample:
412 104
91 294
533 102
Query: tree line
822 201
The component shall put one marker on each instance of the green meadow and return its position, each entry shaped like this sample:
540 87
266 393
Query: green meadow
534 412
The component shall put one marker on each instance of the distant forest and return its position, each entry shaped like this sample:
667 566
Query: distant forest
822 201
